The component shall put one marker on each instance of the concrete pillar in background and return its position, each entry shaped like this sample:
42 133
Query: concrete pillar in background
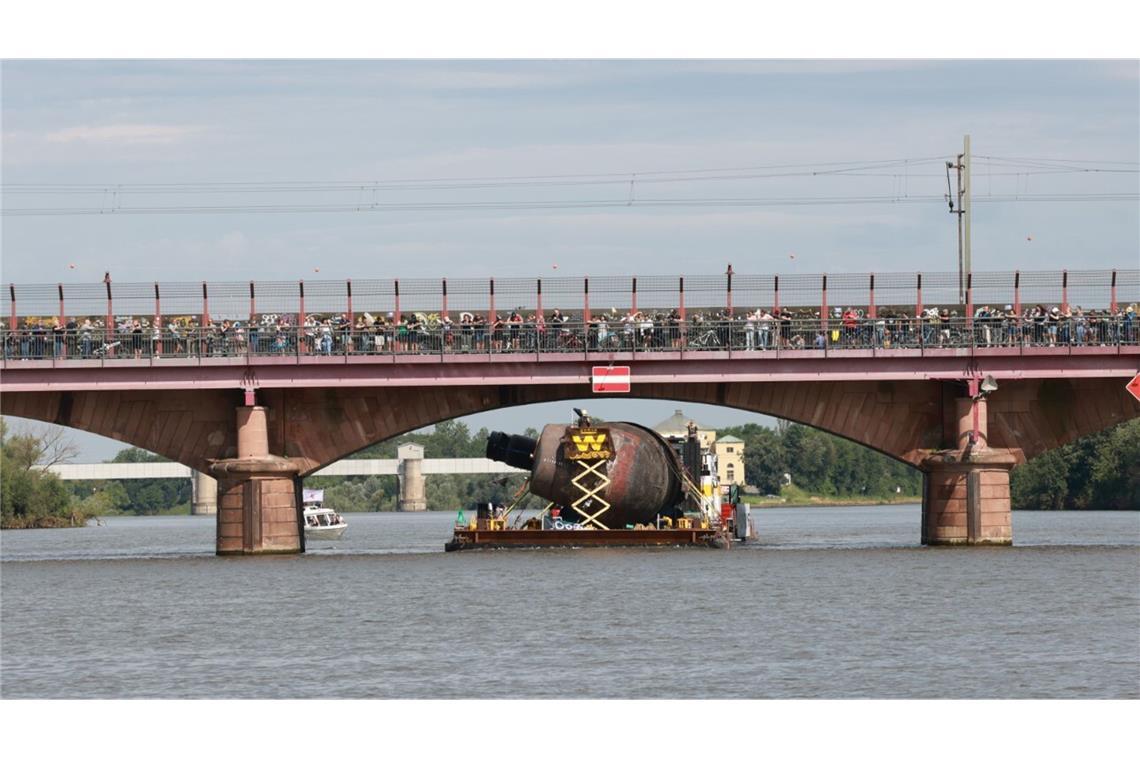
412 491
203 494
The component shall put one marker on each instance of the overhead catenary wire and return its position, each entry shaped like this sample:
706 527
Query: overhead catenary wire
368 199
561 205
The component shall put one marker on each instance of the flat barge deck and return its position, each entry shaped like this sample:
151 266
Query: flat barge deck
472 538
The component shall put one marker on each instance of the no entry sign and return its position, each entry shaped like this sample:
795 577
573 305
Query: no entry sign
1134 387
610 379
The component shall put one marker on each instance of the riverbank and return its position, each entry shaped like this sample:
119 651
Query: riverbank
820 501
45 521
793 496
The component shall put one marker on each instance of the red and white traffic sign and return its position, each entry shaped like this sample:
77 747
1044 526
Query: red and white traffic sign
610 379
1134 387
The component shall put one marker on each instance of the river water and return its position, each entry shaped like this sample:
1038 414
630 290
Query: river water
828 603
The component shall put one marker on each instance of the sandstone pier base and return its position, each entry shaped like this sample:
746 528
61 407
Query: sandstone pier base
259 506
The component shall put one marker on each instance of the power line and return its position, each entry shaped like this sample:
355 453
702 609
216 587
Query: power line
561 204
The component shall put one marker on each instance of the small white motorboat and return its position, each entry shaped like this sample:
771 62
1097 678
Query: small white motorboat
321 522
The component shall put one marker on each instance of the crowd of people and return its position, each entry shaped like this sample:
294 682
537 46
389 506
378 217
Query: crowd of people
759 329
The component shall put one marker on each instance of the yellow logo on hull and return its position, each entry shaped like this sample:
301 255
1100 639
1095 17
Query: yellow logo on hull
583 443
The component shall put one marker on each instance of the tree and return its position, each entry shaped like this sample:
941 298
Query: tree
29 495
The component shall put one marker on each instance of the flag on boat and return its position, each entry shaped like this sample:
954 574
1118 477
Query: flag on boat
310 495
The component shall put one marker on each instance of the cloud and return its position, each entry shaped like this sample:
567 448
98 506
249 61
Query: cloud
123 134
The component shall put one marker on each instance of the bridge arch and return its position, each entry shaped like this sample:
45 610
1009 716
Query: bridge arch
905 419
523 397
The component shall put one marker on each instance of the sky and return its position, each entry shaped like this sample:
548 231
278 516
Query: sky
633 133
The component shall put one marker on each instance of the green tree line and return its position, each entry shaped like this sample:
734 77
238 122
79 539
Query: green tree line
30 497
1099 471
142 496
820 464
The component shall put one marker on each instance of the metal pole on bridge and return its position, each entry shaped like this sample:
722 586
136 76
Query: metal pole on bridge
252 303
443 314
351 313
871 312
1017 294
300 326
970 303
1112 293
205 307
776 293
538 308
585 299
157 309
62 318
109 327
1064 290
396 288
633 301
12 294
728 285
823 310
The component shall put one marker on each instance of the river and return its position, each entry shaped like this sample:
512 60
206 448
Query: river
829 603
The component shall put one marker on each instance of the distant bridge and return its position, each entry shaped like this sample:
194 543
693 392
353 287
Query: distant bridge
343 468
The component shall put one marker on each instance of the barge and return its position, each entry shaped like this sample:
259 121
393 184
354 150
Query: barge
616 485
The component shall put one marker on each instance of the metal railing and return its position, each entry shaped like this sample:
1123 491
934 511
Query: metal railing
106 304
741 336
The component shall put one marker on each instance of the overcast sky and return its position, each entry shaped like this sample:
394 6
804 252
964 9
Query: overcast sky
176 122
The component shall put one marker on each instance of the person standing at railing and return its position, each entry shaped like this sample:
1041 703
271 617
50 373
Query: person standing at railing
57 338
71 333
750 331
1065 326
156 339
539 331
85 338
1053 322
645 325
944 322
1079 326
1128 324
764 324
515 326
325 337
497 334
175 337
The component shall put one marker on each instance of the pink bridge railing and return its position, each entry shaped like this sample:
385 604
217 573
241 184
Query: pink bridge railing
635 313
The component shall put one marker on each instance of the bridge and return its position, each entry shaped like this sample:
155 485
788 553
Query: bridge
205 489
260 384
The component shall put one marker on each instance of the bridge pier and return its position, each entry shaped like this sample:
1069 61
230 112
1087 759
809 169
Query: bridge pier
203 494
259 511
412 494
965 499
965 494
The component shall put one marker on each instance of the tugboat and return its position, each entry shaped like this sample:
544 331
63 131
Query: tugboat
321 522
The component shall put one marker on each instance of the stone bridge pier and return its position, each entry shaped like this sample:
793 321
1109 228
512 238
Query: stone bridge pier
259 506
965 495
